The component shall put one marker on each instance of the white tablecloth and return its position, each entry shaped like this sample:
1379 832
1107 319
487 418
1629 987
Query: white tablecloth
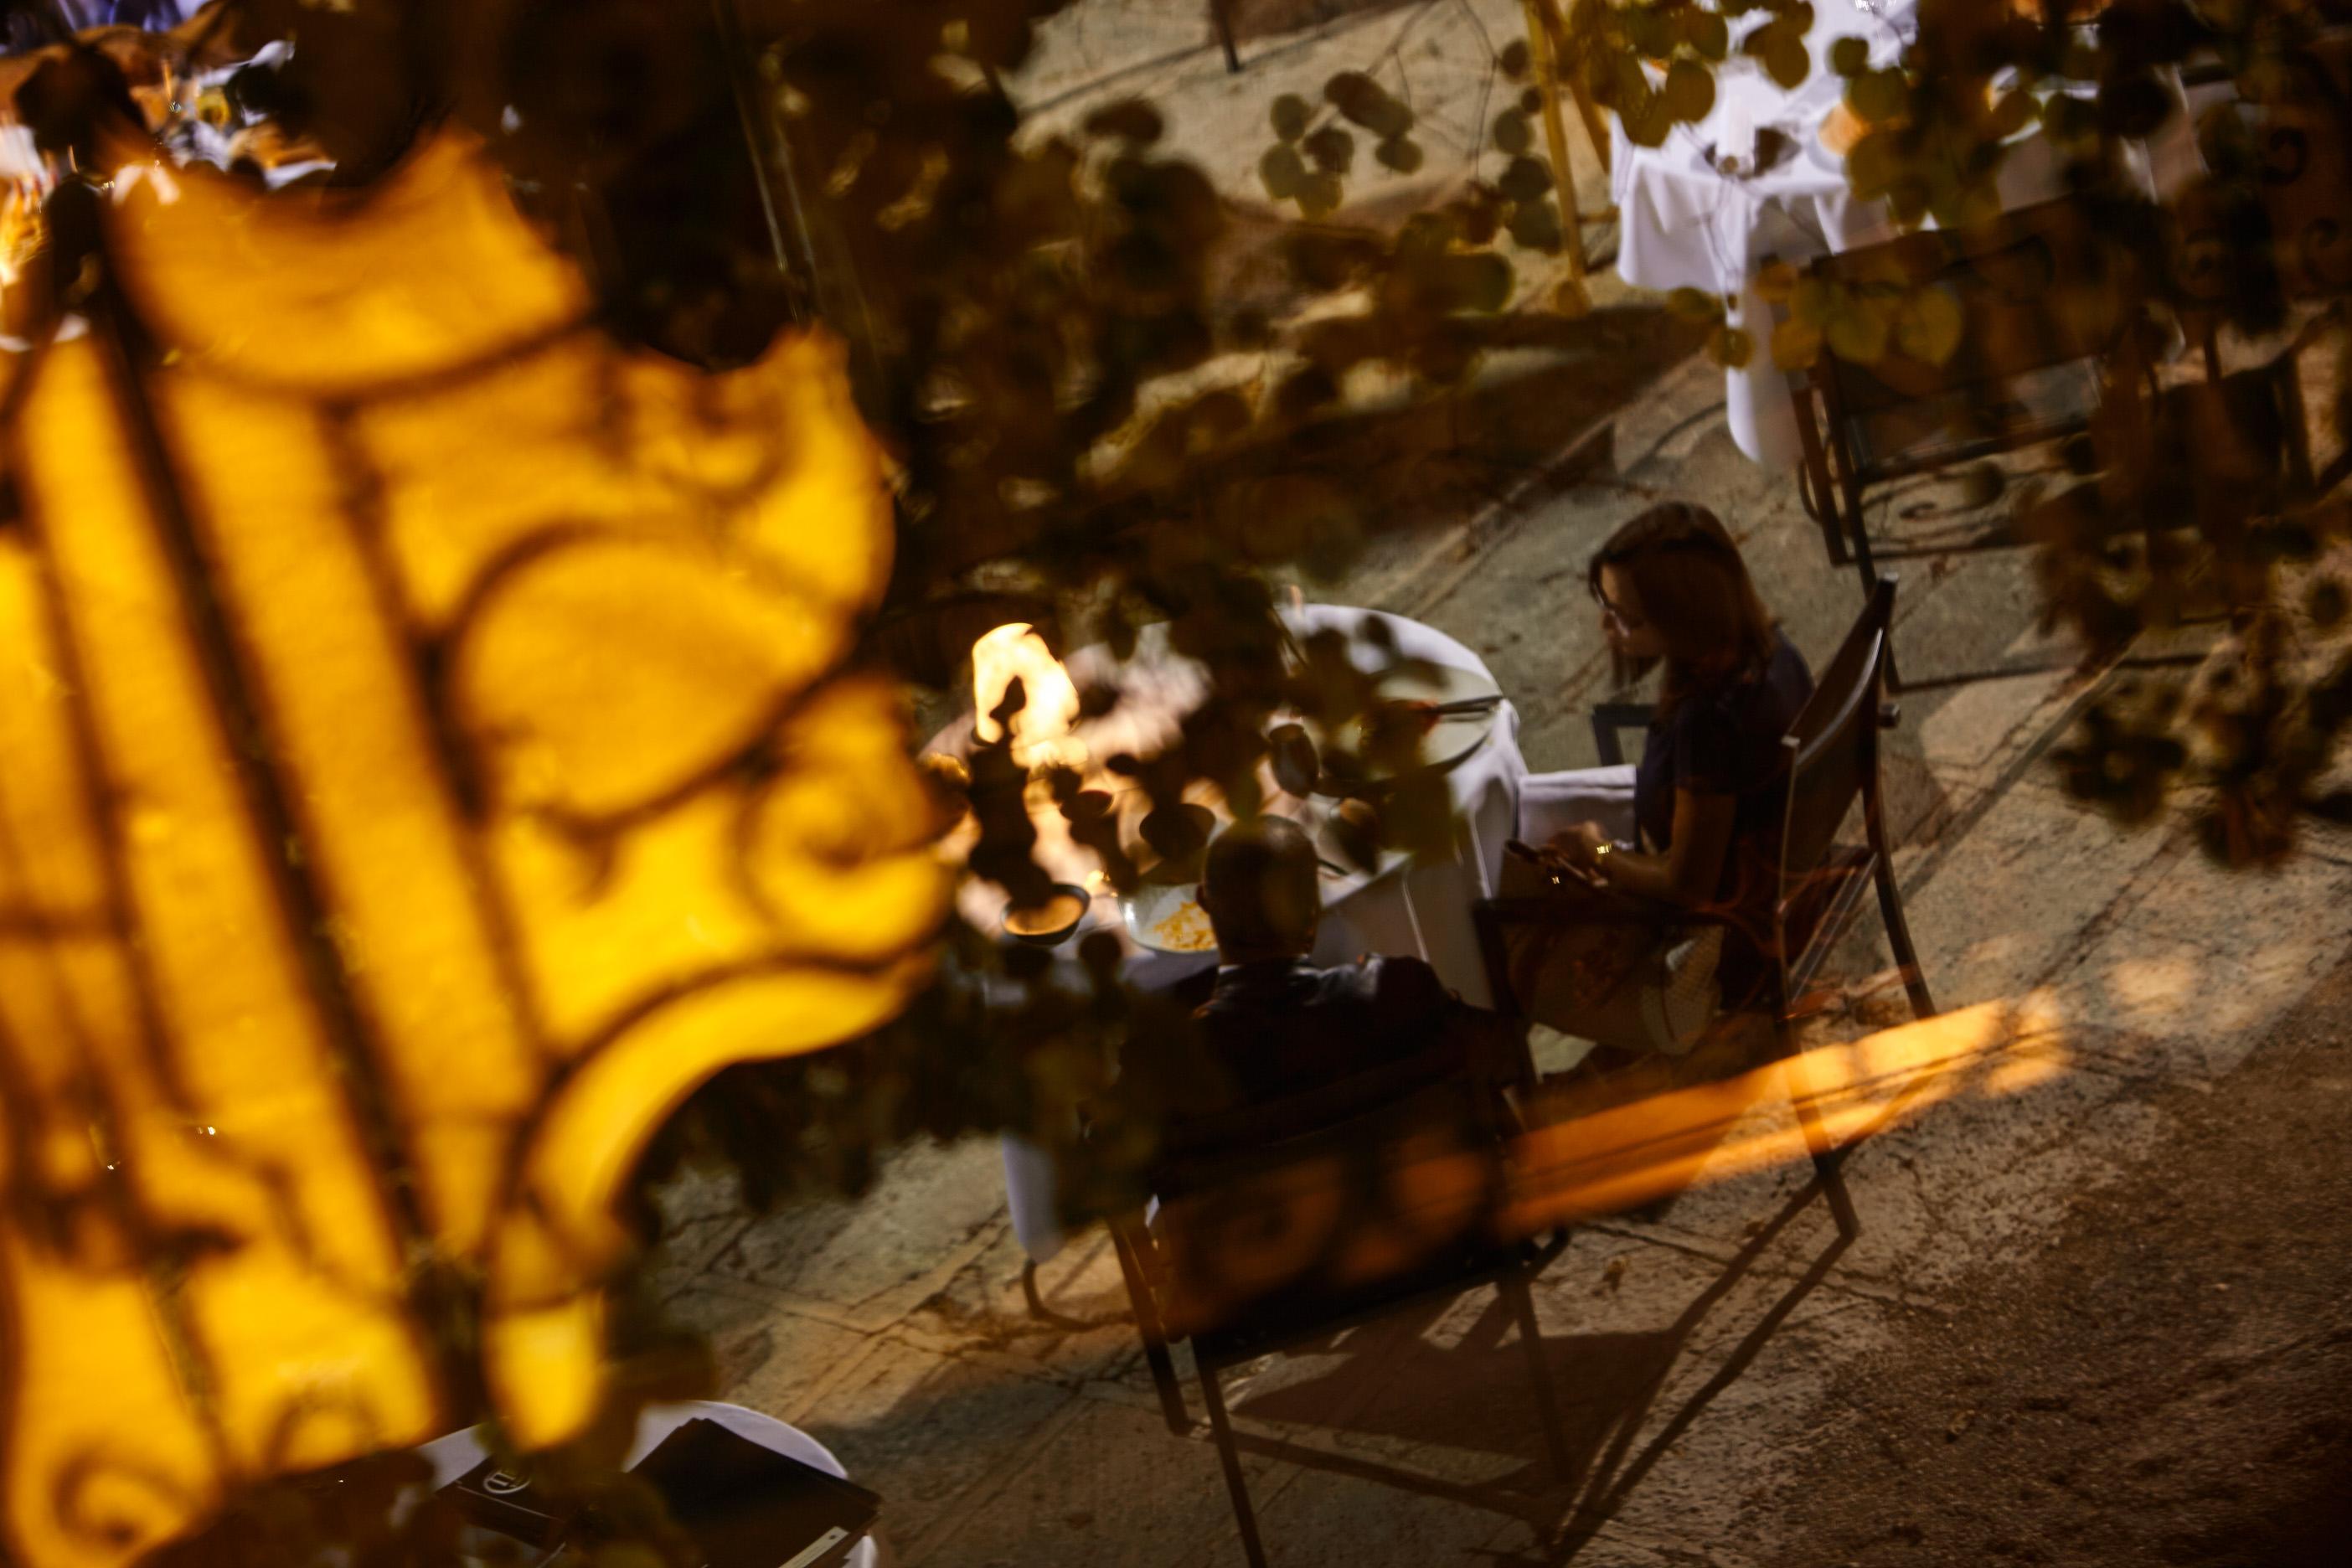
453 1455
1420 906
1683 224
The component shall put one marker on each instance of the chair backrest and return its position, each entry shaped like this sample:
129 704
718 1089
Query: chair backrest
2006 280
1305 1205
1832 747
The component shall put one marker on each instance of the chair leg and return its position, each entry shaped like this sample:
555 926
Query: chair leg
1155 1349
1513 1287
1816 488
1829 1158
1172 1392
1890 898
1220 1427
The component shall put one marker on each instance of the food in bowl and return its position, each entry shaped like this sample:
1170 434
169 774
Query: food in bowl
1049 922
1167 917
1184 929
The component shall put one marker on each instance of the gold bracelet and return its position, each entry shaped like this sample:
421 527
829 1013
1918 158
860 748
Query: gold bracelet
1602 851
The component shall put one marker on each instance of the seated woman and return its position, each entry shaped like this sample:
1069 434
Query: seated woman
1695 825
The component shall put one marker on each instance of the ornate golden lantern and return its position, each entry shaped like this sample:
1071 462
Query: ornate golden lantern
426 760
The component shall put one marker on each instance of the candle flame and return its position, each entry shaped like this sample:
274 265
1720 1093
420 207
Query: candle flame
1041 730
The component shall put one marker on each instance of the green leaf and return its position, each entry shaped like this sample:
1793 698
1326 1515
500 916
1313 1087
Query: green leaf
1513 135
1850 57
1796 345
1877 97
1706 33
1400 152
1856 332
1480 282
1319 194
1524 180
1811 300
1874 165
1786 61
1364 102
1651 36
1645 120
1690 91
1280 171
1532 100
1628 82
1290 116
1930 327
1535 225
1730 347
1478 214
1333 150
1514 60
1696 305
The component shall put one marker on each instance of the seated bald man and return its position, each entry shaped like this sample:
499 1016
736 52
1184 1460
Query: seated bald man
1275 1024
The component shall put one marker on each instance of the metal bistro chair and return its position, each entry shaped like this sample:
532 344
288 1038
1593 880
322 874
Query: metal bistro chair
1271 1226
1831 753
2026 369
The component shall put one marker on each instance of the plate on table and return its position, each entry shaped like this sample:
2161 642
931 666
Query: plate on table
1167 917
1451 736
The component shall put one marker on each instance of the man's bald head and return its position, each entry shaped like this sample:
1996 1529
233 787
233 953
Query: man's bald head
1260 890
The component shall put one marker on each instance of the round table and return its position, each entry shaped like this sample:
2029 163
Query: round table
1684 224
1418 905
453 1455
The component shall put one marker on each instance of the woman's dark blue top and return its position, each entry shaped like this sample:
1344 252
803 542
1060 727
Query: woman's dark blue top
1724 740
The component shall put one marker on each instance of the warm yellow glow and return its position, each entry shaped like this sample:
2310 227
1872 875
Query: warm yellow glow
22 232
1041 730
1236 1245
379 858
1637 1153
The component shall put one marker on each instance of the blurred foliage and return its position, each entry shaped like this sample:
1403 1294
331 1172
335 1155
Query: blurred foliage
1044 346
1037 334
1042 336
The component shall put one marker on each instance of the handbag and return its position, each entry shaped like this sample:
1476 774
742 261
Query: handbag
1606 966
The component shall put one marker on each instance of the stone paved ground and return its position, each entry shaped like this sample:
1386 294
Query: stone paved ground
1696 1349
1700 1349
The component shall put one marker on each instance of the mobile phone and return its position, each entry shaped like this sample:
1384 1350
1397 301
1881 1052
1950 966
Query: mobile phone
1556 867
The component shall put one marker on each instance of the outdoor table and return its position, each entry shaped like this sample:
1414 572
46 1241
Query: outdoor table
1416 905
1684 224
455 1454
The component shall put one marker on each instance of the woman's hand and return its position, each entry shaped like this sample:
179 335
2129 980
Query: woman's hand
1579 846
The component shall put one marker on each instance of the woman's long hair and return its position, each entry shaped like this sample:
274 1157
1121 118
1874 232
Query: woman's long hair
1696 590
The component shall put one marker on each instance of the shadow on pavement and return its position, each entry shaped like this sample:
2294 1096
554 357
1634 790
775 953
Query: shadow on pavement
1473 1396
